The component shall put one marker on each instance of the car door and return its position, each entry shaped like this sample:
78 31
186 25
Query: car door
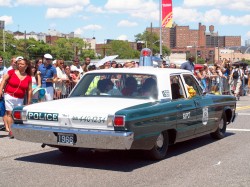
186 110
204 110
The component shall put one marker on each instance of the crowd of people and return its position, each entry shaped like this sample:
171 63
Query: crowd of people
45 79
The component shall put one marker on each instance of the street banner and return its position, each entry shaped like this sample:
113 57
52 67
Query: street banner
1 24
167 13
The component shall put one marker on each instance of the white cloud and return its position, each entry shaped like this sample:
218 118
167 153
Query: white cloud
242 5
213 16
92 27
62 12
54 3
8 19
122 37
126 23
145 9
5 3
93 9
182 15
81 30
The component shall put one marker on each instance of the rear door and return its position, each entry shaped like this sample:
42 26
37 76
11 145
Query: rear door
204 111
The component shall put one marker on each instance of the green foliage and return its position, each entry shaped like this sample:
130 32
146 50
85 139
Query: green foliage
152 41
123 49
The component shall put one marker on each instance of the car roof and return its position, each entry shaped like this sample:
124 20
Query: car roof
143 70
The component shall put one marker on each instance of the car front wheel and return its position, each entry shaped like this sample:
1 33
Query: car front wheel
221 130
159 151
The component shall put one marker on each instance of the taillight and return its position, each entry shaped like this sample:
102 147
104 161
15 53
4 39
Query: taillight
17 115
119 121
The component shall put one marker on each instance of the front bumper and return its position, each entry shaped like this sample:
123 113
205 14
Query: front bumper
98 139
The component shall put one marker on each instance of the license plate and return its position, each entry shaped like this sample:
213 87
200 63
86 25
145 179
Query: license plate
69 139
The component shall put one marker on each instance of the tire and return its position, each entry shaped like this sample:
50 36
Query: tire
68 150
159 151
221 130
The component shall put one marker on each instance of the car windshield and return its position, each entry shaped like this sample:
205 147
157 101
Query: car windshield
116 85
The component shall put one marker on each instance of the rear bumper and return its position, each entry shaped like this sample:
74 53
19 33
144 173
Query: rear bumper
86 138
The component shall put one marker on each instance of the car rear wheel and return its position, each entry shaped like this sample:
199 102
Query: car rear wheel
159 151
68 150
221 130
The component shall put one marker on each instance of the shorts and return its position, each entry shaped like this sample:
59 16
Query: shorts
12 102
49 93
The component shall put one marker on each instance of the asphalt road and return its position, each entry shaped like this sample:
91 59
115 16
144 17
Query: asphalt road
198 162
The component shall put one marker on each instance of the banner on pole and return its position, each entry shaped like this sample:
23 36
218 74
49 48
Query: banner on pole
167 13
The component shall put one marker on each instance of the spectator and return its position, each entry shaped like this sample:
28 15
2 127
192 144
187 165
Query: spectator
86 64
17 82
69 83
128 64
60 85
119 65
3 69
37 91
189 65
13 62
48 76
76 65
113 64
235 81
107 65
75 75
172 65
38 62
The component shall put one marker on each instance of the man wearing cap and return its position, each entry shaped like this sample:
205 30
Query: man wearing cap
48 76
76 65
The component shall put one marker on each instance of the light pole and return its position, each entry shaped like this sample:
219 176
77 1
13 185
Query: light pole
26 50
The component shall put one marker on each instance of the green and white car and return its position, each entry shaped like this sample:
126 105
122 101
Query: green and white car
127 108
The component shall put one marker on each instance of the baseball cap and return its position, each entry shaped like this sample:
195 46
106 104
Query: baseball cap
19 58
48 56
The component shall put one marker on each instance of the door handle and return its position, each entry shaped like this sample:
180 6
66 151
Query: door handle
197 103
179 106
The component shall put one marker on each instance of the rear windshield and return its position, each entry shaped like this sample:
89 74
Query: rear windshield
116 85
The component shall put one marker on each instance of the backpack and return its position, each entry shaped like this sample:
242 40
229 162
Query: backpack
235 74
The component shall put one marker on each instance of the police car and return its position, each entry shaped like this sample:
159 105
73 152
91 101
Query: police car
143 108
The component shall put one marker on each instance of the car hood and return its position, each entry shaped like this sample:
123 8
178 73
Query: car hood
79 112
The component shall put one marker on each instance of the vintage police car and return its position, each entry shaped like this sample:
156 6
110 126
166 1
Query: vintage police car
142 108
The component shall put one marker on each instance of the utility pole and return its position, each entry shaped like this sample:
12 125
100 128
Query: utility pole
2 23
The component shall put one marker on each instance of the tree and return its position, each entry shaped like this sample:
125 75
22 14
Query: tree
123 49
152 41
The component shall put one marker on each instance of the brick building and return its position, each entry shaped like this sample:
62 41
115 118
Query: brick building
182 39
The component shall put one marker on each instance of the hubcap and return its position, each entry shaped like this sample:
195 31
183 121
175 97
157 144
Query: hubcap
159 141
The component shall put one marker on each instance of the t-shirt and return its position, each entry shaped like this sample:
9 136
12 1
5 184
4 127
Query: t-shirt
16 87
47 72
3 70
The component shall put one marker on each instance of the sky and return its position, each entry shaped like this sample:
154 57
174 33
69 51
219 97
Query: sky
123 19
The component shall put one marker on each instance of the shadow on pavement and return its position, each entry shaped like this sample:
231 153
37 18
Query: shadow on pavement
123 161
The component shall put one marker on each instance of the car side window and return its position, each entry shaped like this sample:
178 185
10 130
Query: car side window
177 89
192 85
